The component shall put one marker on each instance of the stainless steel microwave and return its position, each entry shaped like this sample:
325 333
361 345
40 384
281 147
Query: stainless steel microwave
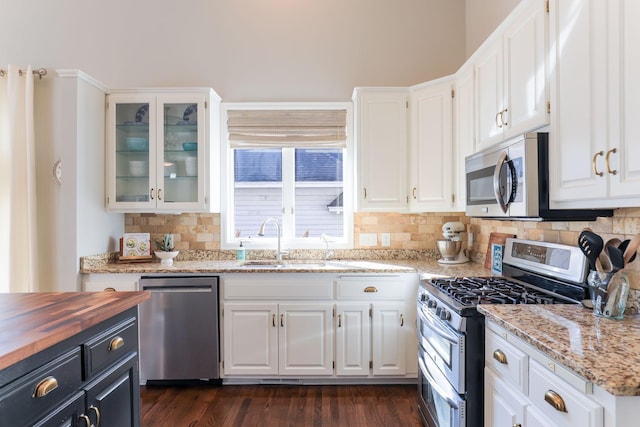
511 180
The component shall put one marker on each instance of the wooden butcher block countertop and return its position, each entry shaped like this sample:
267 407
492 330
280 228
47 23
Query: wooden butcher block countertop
32 322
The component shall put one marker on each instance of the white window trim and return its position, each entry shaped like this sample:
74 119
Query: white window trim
227 235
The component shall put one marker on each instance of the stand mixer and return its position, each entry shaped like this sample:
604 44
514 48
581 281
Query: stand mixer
451 247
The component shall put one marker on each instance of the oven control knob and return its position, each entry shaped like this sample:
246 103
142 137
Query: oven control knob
424 297
444 314
431 303
438 311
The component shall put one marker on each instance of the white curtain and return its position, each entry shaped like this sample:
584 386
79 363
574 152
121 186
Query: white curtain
18 214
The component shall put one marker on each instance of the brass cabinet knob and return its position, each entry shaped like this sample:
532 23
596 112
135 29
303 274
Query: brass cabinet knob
45 387
116 343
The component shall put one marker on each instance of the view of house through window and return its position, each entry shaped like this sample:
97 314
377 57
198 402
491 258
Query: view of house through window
301 187
291 162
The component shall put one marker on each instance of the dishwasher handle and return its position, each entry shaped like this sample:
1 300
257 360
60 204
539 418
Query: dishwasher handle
177 289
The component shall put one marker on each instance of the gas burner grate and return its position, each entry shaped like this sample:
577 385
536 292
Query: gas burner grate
471 291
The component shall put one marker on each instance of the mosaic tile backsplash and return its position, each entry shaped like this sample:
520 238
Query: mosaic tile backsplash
409 232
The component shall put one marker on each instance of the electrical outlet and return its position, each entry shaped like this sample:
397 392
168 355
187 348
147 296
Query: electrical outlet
385 239
368 239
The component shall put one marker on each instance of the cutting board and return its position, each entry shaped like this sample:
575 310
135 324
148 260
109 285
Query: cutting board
498 238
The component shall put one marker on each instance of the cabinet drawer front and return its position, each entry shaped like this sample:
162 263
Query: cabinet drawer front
41 390
572 408
110 346
365 288
510 363
285 289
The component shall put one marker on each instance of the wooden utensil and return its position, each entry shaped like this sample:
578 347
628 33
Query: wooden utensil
629 248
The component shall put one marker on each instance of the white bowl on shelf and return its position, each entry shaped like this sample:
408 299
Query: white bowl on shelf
166 258
138 167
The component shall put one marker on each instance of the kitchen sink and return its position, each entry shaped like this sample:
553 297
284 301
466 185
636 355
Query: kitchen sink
296 264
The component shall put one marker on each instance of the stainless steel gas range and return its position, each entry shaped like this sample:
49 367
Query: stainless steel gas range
451 331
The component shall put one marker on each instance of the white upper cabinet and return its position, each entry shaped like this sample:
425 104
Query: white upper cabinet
431 146
595 103
624 144
381 136
464 134
511 76
161 148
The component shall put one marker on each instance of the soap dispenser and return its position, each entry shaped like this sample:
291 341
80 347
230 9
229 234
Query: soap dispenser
240 253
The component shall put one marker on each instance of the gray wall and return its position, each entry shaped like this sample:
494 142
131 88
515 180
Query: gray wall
482 17
247 50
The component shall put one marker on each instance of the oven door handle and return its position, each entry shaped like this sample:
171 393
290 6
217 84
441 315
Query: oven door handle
438 329
433 383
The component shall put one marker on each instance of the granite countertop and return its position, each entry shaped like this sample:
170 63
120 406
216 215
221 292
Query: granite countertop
605 351
427 268
32 322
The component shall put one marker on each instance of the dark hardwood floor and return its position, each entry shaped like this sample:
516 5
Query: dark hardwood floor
280 405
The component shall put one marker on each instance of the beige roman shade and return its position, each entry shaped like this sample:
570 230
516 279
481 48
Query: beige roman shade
287 128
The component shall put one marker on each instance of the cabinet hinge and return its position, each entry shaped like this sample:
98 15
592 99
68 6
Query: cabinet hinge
453 198
548 107
333 364
370 312
334 312
406 104
370 364
453 93
206 105
547 5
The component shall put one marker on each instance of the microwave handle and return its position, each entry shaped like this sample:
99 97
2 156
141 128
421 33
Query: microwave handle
502 160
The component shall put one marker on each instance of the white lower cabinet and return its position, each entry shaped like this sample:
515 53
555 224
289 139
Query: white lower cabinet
389 339
295 325
353 339
278 339
525 388
504 405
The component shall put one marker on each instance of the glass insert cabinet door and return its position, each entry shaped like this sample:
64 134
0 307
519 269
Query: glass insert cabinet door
134 152
181 139
157 150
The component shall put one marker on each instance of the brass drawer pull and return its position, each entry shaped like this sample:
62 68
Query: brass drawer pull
594 165
109 289
339 320
273 320
606 161
45 387
554 399
87 421
500 357
116 343
282 320
401 320
97 411
371 289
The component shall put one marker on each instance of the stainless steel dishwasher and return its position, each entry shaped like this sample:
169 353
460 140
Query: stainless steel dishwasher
179 333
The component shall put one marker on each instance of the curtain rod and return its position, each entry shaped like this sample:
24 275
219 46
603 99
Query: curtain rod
40 72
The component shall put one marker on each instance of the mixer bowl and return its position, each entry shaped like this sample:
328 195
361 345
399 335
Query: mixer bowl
449 249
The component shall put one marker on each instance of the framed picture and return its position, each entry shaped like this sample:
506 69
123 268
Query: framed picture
135 247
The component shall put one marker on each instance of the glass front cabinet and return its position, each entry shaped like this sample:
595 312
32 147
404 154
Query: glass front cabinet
163 150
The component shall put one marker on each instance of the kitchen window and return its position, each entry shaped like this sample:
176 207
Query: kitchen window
291 162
